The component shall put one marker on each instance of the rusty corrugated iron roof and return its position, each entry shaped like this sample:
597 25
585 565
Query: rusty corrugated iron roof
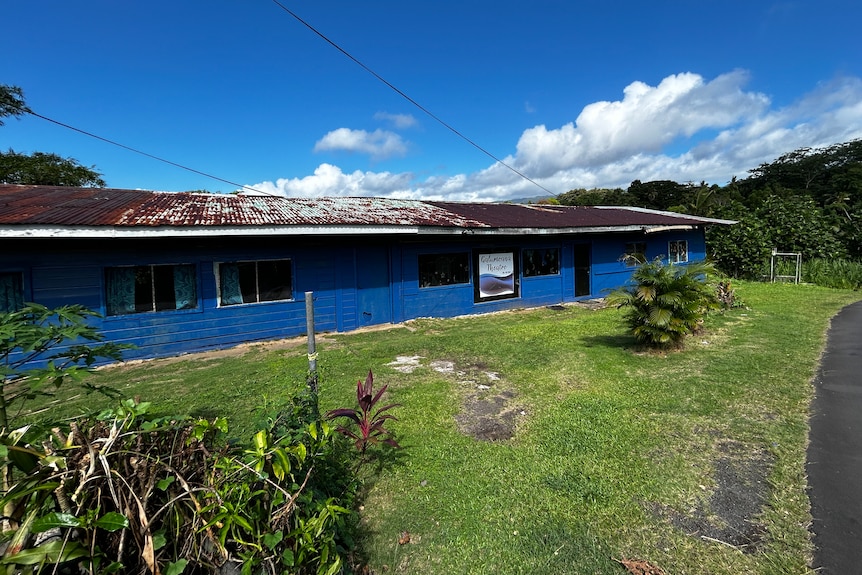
65 207
551 216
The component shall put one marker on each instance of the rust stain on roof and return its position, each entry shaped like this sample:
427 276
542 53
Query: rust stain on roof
97 207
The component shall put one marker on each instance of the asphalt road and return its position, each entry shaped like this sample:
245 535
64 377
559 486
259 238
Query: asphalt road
835 449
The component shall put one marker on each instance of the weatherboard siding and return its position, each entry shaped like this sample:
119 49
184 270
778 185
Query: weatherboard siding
73 272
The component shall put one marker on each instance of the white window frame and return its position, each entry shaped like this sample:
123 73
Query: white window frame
674 254
193 304
220 293
630 252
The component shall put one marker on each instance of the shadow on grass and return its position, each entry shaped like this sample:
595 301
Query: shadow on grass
621 341
206 412
359 535
381 460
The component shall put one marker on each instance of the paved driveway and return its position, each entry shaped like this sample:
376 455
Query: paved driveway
835 450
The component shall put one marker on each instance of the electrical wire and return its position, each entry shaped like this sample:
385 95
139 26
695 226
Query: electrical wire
349 56
408 98
200 173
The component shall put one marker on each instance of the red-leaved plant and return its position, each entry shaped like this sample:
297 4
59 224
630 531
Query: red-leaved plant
370 429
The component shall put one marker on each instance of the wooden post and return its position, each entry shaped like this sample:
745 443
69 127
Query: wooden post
312 348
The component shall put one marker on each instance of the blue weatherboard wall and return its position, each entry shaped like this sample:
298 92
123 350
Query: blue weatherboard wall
356 281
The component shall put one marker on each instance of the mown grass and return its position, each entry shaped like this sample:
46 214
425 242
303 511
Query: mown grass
611 443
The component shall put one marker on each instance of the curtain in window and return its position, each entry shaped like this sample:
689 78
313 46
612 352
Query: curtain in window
11 292
229 282
120 288
185 287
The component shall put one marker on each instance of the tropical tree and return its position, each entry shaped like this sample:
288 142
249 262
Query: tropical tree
797 224
11 102
740 250
666 302
39 168
594 197
43 169
658 194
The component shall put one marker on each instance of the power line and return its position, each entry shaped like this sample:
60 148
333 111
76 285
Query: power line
348 55
408 98
90 134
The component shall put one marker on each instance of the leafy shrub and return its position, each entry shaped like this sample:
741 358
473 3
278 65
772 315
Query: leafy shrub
787 223
42 348
726 296
666 302
370 428
128 492
742 249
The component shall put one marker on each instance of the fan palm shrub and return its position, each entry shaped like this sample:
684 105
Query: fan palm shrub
666 302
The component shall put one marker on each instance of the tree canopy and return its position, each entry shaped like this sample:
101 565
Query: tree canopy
45 169
39 168
11 102
808 200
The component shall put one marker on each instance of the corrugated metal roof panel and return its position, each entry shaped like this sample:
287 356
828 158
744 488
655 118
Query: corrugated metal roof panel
122 209
553 216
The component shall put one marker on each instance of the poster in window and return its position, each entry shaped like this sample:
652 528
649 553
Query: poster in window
496 275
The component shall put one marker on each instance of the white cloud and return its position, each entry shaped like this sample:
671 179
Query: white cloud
645 120
399 121
329 180
379 144
727 131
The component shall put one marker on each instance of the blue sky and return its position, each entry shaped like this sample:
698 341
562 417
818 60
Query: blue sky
572 94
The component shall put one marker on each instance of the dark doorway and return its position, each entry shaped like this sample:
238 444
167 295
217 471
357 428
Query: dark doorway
582 269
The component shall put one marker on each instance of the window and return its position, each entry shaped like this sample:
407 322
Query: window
677 252
11 291
635 253
544 262
443 269
253 282
139 289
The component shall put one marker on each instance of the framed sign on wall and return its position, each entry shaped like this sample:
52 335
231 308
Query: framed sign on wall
496 274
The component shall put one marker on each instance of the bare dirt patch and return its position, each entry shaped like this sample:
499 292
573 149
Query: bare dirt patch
488 412
491 418
730 514
250 347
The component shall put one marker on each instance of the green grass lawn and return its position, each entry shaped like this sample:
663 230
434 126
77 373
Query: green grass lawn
692 460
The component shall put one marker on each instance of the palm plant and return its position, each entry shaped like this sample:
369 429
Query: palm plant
666 302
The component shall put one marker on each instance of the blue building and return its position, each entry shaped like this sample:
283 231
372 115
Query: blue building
183 272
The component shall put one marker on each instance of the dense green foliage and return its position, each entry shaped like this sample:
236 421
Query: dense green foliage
46 169
170 495
808 201
666 302
834 273
42 348
131 491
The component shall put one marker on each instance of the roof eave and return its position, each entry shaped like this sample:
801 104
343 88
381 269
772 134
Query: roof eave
105 232
552 231
110 232
699 219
